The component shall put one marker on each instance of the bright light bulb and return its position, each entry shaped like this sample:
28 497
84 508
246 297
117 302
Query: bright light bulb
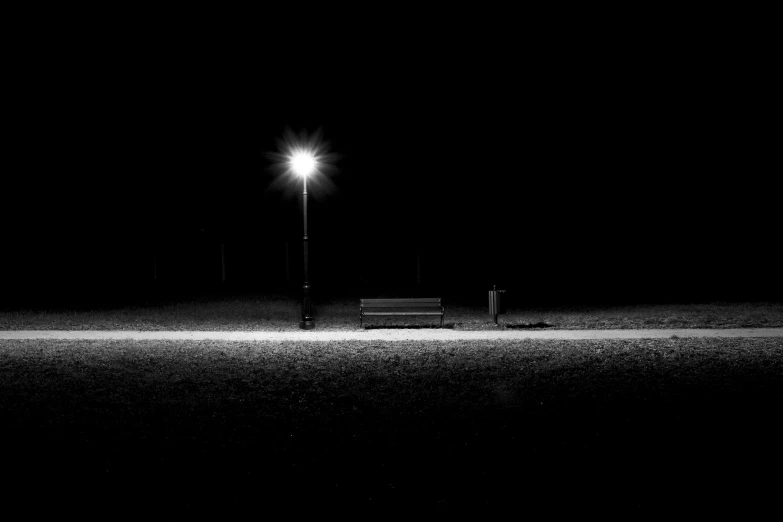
303 163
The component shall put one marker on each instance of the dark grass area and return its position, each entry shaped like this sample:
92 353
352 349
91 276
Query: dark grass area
560 426
279 313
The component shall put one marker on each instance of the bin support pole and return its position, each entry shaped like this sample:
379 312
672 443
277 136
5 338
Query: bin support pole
496 302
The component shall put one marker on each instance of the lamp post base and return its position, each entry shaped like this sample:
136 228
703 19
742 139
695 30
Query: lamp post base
307 325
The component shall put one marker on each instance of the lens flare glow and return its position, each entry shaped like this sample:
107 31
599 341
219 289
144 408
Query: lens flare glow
303 162
301 156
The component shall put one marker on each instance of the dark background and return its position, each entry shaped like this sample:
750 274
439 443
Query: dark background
567 163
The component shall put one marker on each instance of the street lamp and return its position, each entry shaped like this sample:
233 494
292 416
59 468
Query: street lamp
303 163
308 157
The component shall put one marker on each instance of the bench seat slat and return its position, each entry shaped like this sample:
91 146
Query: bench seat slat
400 305
400 298
402 313
405 300
385 303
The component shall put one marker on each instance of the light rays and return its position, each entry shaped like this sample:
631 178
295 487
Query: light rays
303 153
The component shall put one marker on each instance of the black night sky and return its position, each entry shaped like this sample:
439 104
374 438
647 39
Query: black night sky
599 156
589 168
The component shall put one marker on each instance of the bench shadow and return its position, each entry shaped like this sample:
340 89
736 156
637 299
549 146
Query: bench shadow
530 326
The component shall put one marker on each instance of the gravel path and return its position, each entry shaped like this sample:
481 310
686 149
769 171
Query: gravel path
386 335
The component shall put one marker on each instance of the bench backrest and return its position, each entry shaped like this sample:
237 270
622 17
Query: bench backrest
423 302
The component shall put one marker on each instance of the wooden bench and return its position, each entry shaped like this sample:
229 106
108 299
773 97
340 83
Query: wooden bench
420 306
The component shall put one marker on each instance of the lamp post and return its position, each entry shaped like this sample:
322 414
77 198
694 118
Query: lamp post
303 163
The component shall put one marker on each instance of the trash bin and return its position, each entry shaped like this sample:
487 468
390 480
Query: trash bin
497 302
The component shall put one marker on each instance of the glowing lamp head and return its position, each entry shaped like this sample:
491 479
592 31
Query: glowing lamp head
303 163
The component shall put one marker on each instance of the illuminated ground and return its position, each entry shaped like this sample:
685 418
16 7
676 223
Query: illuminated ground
277 314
